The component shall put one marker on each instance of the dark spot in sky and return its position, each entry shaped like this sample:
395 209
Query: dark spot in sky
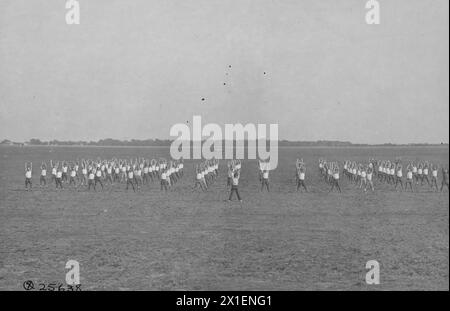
203 99
229 66
264 72
224 84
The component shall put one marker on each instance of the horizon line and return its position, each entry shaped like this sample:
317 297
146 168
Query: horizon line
126 141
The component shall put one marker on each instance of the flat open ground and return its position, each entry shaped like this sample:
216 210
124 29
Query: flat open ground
188 240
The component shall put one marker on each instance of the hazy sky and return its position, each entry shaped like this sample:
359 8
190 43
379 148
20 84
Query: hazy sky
132 69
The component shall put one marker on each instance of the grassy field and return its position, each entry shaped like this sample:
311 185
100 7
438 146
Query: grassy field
187 240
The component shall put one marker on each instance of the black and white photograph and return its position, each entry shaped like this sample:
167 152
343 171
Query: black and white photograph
233 147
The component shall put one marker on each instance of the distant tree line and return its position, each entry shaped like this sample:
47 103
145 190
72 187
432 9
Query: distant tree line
102 142
167 142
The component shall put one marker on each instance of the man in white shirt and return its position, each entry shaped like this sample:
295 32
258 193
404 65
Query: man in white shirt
28 170
234 186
